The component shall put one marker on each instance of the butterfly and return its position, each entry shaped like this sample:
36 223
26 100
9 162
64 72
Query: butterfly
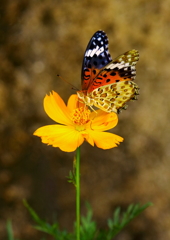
107 84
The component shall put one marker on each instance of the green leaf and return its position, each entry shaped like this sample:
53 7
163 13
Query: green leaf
115 217
9 230
88 227
72 174
36 218
48 228
117 223
72 178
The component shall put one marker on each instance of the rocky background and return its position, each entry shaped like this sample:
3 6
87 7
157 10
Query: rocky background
40 39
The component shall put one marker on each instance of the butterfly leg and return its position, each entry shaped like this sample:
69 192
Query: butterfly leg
93 109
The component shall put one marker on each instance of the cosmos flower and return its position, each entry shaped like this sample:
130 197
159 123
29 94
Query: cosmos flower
76 124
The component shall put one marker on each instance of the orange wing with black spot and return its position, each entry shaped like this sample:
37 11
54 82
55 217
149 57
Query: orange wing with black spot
120 69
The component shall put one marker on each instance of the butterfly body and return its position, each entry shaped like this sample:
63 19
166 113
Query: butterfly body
107 84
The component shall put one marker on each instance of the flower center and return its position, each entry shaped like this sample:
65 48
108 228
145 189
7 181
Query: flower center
80 117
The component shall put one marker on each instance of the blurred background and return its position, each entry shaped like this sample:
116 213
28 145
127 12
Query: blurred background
40 39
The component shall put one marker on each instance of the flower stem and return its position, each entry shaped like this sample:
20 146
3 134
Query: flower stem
78 194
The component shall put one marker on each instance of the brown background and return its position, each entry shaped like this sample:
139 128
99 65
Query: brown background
40 39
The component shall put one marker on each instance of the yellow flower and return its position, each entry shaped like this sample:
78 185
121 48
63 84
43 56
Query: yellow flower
76 125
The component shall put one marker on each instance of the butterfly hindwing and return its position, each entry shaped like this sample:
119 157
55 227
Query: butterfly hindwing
113 97
95 58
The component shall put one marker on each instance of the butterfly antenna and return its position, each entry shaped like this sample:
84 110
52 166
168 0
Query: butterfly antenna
73 87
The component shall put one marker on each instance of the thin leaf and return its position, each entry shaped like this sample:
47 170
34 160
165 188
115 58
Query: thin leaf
117 224
9 230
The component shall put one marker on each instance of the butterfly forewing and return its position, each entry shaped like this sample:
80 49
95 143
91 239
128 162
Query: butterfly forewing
95 58
120 69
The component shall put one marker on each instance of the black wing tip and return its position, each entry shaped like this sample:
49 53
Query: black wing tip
100 31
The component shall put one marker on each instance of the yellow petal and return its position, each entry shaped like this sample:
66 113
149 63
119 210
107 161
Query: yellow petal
56 109
72 102
103 121
105 140
64 137
88 138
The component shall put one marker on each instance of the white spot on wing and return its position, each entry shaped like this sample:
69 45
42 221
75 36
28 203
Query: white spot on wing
87 53
93 52
112 66
90 52
100 51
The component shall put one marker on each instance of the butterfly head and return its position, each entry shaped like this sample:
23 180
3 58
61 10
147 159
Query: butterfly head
82 95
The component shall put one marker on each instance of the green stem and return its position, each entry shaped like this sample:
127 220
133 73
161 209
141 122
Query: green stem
78 194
